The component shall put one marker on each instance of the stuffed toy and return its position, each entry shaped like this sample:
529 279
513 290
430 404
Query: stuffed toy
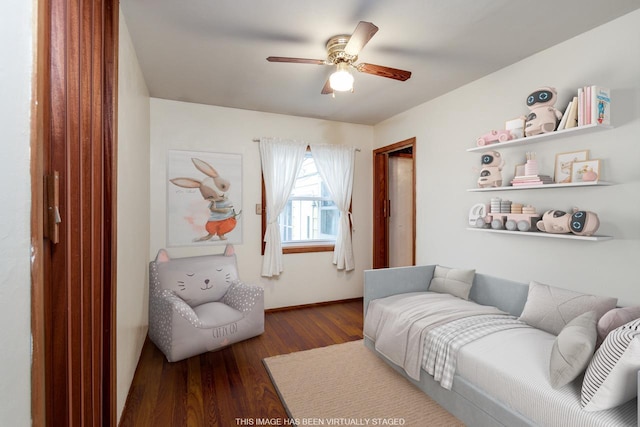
544 117
490 174
581 223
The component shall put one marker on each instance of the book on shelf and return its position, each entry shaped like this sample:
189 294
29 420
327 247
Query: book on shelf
529 184
587 105
580 106
565 115
594 104
524 180
600 105
572 118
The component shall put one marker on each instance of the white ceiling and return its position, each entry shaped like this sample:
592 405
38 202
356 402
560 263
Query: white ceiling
213 51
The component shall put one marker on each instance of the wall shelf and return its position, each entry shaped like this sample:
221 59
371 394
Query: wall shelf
543 137
581 130
542 186
541 234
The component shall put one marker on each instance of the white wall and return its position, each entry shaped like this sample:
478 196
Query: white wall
133 214
16 48
608 56
307 278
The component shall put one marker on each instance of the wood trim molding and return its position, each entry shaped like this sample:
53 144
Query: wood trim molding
397 146
307 249
39 116
110 213
311 305
380 256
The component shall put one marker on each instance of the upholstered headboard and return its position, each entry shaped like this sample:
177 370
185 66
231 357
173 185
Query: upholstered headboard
505 294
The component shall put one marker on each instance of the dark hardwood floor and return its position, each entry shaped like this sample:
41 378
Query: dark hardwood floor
215 389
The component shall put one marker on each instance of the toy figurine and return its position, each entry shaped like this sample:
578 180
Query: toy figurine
490 175
581 223
493 136
544 117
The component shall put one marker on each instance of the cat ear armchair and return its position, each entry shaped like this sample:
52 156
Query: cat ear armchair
198 304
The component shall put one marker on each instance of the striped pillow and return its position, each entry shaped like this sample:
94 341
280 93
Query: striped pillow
610 379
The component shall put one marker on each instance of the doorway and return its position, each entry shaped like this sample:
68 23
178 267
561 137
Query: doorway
394 207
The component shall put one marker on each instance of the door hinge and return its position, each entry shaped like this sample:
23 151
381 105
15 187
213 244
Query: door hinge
52 218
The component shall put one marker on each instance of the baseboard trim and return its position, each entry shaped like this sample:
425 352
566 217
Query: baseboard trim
315 304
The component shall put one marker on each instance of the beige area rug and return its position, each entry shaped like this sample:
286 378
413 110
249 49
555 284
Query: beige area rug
346 384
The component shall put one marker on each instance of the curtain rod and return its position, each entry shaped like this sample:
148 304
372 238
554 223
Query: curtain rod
258 140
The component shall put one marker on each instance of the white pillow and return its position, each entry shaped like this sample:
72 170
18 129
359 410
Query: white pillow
572 349
550 308
611 376
452 281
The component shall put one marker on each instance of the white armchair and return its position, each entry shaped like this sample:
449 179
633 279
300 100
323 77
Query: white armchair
198 304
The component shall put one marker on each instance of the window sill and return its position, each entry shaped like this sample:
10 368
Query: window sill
293 249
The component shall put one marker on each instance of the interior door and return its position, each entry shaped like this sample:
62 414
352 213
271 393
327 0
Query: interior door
401 216
73 302
391 192
380 206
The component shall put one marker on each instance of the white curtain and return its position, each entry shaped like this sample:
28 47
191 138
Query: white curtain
281 162
335 164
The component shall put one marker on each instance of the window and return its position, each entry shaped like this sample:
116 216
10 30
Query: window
309 221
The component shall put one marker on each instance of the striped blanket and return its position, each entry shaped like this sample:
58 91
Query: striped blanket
442 343
398 324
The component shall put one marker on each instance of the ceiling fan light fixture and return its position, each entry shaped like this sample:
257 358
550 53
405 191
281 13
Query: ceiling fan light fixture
342 79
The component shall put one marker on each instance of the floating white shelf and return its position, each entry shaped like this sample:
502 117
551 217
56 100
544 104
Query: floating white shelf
542 137
541 234
544 186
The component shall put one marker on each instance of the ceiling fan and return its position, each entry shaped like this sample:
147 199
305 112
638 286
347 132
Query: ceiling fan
342 51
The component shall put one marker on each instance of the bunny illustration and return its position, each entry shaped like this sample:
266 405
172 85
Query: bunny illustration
222 216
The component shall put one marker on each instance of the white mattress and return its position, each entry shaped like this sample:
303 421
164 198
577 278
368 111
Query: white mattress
513 366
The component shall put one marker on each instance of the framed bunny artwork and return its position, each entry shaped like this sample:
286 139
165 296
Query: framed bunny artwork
204 198
564 161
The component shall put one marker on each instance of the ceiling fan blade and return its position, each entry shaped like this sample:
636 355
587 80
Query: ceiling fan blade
379 70
360 37
326 90
296 60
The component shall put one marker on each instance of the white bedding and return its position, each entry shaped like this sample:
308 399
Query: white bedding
398 324
442 344
513 367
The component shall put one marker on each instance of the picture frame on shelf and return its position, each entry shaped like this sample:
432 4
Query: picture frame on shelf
585 171
519 170
563 166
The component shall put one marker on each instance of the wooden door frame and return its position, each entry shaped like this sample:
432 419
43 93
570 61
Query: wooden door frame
381 201
73 129
39 116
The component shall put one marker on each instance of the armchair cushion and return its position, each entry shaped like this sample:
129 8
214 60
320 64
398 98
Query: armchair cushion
243 297
214 314
198 280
